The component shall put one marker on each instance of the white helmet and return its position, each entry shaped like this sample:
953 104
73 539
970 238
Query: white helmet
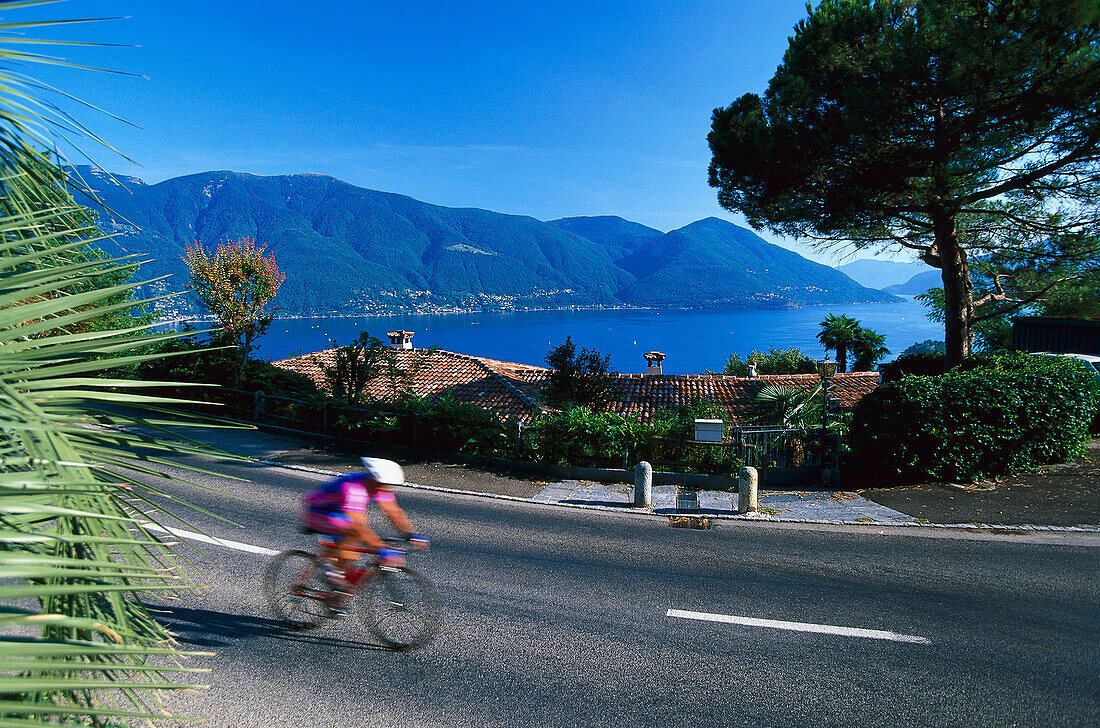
386 472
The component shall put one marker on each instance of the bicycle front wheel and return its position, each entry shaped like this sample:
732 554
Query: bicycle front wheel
400 608
296 591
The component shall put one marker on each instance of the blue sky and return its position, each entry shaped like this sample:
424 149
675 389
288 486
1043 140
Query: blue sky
547 109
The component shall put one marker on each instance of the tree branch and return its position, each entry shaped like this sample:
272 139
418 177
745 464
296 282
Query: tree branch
1017 303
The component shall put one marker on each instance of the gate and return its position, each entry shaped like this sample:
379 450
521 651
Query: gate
779 447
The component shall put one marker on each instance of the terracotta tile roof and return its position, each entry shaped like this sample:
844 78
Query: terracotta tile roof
513 390
487 383
646 395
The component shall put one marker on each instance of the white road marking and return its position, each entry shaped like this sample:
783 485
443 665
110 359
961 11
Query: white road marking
874 634
216 541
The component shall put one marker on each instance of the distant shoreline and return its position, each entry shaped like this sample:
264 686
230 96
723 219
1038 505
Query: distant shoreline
468 311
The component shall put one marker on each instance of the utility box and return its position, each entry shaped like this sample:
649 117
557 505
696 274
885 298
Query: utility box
708 430
687 500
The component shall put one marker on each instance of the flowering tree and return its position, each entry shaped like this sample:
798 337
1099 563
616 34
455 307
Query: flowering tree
236 283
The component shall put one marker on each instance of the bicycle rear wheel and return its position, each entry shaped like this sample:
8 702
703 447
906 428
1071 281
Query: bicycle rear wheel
400 608
295 590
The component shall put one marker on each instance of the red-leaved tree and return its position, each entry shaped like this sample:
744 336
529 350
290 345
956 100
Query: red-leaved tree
235 283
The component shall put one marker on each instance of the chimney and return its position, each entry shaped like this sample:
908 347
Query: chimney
654 359
401 339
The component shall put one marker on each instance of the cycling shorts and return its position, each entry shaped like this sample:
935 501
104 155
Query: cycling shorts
331 523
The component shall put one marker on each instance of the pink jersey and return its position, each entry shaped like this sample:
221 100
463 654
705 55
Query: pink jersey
325 508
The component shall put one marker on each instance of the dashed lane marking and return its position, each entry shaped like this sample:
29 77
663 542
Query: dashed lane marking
180 533
874 634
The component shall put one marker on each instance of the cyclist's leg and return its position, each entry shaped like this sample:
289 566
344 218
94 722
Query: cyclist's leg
333 530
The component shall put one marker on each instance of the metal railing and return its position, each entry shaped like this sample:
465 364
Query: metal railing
778 447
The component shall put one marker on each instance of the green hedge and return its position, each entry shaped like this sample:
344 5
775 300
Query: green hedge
1004 413
907 365
581 436
442 424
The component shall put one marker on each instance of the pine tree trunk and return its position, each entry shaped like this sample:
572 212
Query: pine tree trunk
958 293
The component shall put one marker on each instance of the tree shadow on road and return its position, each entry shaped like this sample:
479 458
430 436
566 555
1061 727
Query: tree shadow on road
204 628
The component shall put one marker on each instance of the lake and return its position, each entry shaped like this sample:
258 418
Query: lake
693 341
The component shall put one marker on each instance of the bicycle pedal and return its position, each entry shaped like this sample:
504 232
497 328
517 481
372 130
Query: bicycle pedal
392 569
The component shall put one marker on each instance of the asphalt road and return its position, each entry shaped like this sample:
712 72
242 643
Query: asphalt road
557 617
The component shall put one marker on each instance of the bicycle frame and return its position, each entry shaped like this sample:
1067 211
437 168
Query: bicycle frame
358 582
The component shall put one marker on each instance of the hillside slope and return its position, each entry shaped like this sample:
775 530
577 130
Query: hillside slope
918 284
349 250
739 269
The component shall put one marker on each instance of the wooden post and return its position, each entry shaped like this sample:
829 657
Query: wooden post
258 406
324 419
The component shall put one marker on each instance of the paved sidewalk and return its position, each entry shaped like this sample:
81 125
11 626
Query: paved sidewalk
829 506
825 506
816 506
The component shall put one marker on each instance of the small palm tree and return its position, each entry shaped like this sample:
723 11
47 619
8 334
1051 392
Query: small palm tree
790 407
867 348
837 332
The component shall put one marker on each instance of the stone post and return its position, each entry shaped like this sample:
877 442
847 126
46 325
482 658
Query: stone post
258 406
643 484
746 491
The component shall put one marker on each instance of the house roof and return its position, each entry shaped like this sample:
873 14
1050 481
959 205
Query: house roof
645 395
513 390
494 385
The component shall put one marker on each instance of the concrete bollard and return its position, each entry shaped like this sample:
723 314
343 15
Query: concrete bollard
643 484
746 491
258 406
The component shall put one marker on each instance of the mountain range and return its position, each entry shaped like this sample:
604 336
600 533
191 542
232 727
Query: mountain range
350 250
882 273
918 284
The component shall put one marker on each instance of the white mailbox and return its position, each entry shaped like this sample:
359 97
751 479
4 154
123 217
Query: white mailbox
708 430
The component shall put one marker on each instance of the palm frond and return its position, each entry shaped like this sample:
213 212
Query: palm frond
77 645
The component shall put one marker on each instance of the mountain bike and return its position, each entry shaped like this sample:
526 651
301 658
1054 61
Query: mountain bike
397 604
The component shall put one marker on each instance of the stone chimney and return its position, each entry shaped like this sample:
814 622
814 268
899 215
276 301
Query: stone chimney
654 359
401 339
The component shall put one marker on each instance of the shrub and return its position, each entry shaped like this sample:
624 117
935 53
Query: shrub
1000 414
187 359
446 424
668 443
580 436
775 361
433 423
921 364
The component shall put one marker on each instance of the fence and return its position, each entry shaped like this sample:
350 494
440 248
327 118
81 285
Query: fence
773 447
760 447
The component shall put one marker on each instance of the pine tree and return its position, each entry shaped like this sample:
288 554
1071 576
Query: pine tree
954 128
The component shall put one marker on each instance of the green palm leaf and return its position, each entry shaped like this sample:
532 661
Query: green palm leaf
77 645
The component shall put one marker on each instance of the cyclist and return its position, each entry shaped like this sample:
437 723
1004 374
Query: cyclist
339 509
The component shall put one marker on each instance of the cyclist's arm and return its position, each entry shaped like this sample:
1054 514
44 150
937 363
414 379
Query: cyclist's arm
396 515
366 533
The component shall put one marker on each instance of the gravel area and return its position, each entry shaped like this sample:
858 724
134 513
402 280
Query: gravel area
1057 495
